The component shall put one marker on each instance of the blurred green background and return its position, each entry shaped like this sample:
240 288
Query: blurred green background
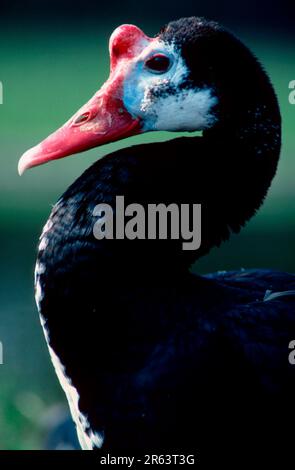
49 66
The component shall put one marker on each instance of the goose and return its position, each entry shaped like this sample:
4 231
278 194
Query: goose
150 355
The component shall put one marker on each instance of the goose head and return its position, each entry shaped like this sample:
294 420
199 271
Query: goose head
193 76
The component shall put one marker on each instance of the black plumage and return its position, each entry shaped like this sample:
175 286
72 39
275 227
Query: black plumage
161 358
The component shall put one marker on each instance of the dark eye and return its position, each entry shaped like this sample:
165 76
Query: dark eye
158 63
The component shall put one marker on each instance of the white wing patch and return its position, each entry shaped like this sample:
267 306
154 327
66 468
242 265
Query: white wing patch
88 438
43 243
39 269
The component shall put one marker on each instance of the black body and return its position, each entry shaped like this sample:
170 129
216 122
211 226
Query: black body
163 359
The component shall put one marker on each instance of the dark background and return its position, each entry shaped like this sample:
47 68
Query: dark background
249 14
53 57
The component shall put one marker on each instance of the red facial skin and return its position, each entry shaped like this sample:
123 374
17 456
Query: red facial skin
104 118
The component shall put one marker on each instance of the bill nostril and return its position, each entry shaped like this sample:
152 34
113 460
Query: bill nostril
82 118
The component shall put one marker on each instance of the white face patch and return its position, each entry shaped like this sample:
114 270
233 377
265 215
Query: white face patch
190 110
158 99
